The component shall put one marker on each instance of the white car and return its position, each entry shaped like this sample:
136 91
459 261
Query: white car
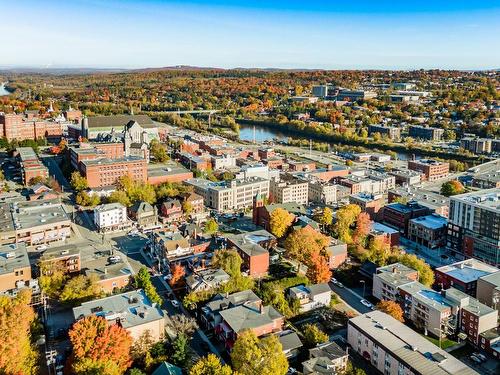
167 277
334 280
114 259
41 248
340 285
175 303
366 303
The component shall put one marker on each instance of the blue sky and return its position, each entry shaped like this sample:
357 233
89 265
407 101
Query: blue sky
221 33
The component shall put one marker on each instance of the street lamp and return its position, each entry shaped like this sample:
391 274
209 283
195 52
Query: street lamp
363 282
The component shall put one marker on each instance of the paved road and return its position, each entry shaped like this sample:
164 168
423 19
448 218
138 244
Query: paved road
351 298
55 171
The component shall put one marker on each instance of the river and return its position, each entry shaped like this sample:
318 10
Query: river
263 134
3 90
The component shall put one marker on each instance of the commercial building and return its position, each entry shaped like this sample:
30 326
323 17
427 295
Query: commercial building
65 257
30 165
110 217
131 310
288 190
92 151
432 170
144 214
477 145
436 203
426 133
368 203
355 95
167 172
33 222
106 172
428 231
398 215
235 194
474 225
463 275
253 248
322 192
15 268
109 277
395 349
390 132
25 126
406 177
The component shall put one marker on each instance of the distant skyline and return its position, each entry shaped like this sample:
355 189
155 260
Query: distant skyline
250 34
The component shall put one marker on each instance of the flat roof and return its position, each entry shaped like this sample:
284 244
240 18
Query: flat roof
104 161
468 270
34 213
13 257
222 185
109 207
134 308
426 295
407 346
433 221
488 198
166 169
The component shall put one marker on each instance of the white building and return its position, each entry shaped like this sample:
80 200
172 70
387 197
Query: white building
228 195
223 162
111 216
312 296
289 191
257 170
322 192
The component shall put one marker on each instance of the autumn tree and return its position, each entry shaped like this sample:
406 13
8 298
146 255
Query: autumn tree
17 354
99 348
425 273
158 151
303 242
363 227
313 335
392 308
52 278
379 251
121 197
86 200
229 260
318 270
251 355
80 289
187 208
210 365
346 217
78 182
178 271
280 221
211 226
325 217
452 187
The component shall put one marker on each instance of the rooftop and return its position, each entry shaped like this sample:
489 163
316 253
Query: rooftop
13 257
106 161
468 270
426 295
223 185
244 317
407 346
31 214
433 221
59 252
109 207
488 199
132 308
119 121
250 242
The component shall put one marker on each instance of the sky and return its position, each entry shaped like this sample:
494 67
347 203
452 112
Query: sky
309 34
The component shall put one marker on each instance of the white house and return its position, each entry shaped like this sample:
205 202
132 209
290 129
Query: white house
312 296
111 216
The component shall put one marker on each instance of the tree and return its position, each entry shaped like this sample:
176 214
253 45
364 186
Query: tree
121 197
36 180
303 242
313 335
346 216
229 260
379 251
280 221
210 365
78 182
178 271
140 350
80 289
99 347
391 308
425 274
183 324
143 281
17 354
181 351
318 268
187 208
363 227
52 278
158 151
86 200
452 187
326 217
211 226
251 355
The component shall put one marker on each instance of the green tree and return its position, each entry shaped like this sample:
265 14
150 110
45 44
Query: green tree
181 353
211 226
78 182
346 217
158 151
280 221
229 260
80 289
251 355
425 273
143 281
86 200
121 197
210 365
452 187
313 335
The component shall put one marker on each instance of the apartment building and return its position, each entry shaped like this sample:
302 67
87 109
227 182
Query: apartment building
436 203
168 246
253 248
398 215
110 217
30 165
390 132
428 231
474 225
131 310
33 222
65 257
395 349
368 203
229 195
431 170
15 269
488 290
24 126
312 296
463 275
106 172
387 279
322 192
477 145
426 133
288 190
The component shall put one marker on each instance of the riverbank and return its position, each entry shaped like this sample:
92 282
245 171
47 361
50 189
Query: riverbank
4 91
333 139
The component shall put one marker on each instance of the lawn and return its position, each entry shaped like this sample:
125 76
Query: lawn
445 343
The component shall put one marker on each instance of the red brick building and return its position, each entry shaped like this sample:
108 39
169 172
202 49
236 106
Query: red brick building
106 172
21 127
398 215
431 169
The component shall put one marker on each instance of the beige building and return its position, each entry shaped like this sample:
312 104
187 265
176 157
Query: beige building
132 310
15 267
289 190
322 192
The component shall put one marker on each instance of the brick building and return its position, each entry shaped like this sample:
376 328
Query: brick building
23 126
30 165
398 215
431 170
106 172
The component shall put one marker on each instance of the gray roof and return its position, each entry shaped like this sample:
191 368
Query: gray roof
211 277
244 317
220 301
13 257
104 161
407 346
250 242
119 121
319 289
134 308
141 207
493 278
289 340
330 350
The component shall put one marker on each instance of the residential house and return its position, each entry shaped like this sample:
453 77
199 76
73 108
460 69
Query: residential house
207 279
171 210
327 358
145 214
312 296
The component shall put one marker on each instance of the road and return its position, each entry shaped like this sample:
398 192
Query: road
55 171
351 298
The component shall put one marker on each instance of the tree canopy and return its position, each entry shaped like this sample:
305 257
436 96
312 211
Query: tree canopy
452 187
280 221
210 365
392 308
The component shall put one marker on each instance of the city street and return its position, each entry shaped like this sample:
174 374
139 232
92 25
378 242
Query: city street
351 298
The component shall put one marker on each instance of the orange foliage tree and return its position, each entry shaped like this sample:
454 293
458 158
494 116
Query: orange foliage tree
99 347
363 227
318 271
391 308
178 272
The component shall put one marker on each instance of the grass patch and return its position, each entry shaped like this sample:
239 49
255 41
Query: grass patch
445 343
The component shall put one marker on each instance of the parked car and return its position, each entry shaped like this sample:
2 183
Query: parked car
366 303
114 259
480 356
475 359
42 248
340 285
175 303
334 280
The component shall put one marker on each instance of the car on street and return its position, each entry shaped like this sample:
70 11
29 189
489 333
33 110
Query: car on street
366 303
480 356
340 285
41 248
167 277
334 280
473 358
175 303
114 259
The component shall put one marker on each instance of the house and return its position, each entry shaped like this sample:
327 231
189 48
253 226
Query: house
206 279
337 253
131 310
328 358
166 368
311 297
171 210
144 214
290 343
40 192
210 313
196 202
260 320
169 246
